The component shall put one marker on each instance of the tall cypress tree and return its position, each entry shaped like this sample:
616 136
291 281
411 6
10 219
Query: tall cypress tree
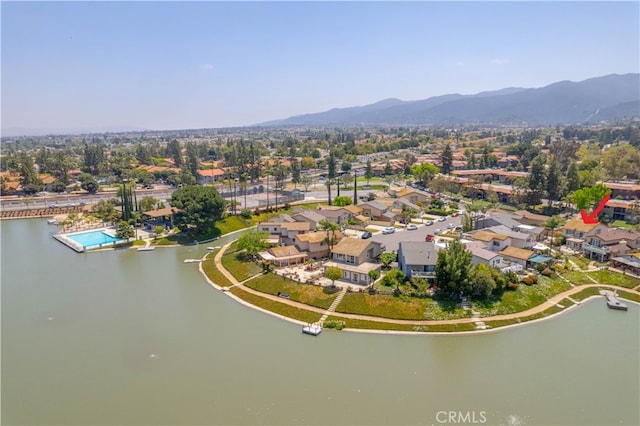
447 159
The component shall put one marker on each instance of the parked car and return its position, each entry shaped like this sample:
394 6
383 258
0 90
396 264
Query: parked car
458 228
53 206
442 219
411 227
454 214
388 230
450 226
437 231
429 237
429 223
366 234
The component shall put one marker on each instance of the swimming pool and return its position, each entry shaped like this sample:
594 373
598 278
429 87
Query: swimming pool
93 238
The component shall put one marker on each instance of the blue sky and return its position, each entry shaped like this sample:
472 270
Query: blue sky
166 65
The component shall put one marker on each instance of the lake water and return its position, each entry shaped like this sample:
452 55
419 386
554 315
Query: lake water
127 337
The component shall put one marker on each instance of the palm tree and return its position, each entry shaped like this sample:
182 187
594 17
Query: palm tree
331 229
552 223
328 183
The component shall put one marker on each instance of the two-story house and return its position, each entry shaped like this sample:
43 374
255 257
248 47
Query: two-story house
614 242
315 244
576 232
377 211
413 196
518 256
491 240
518 239
480 254
417 259
305 215
285 230
356 258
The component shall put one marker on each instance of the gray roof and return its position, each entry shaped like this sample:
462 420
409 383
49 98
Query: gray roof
389 214
406 203
505 219
418 252
309 214
501 229
478 250
375 205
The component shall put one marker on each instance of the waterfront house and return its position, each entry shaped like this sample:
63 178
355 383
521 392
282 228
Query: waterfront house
418 259
517 255
356 258
283 256
285 230
490 240
614 242
576 232
480 254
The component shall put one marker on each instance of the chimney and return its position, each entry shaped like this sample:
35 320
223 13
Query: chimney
622 247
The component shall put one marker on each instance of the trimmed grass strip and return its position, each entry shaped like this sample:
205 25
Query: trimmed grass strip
614 278
277 307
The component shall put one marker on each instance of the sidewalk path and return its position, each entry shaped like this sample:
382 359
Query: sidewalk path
535 310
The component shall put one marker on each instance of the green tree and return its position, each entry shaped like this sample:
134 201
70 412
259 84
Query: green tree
333 273
368 172
393 278
253 242
388 170
573 179
307 163
536 184
158 230
447 159
88 183
424 172
467 222
124 230
342 201
30 181
174 152
200 207
58 186
453 270
373 275
387 258
148 203
482 282
552 224
555 185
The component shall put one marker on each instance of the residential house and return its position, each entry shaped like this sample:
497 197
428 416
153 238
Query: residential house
283 256
576 232
377 212
315 244
490 240
305 215
209 176
417 259
356 257
518 239
627 210
527 218
413 196
614 242
480 254
518 256
334 214
626 190
285 230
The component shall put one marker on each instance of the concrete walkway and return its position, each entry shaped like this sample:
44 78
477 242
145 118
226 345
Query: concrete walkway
479 321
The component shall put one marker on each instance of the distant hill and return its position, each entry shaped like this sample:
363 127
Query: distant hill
601 98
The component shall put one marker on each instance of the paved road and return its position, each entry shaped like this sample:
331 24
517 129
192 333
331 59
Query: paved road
392 241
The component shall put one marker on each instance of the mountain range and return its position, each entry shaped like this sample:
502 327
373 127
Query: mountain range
593 100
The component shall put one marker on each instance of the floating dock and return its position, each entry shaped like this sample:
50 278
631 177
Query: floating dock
613 302
312 329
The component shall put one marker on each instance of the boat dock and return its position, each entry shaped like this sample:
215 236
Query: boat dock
613 302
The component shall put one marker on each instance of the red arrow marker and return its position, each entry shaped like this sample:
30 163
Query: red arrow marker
593 217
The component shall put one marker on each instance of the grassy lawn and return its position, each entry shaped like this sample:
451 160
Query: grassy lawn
213 273
581 295
501 323
581 262
630 296
375 325
303 293
577 277
524 297
399 307
277 307
621 224
614 278
230 224
233 261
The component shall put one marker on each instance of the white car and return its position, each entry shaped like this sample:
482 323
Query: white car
429 223
411 227
450 226
388 230
442 219
437 231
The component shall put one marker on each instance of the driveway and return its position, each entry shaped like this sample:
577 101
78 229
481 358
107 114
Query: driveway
392 241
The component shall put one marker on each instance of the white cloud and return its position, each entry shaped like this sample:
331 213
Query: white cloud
206 67
499 61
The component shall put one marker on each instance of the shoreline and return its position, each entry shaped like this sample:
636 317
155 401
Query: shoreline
403 332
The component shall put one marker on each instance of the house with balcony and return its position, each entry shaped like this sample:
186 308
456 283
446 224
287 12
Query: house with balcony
480 254
576 232
626 210
356 258
612 243
490 240
305 215
283 256
417 259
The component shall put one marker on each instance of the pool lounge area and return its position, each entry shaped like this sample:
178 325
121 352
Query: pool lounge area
86 240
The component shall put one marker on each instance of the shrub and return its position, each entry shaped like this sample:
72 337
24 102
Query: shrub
246 213
337 325
530 279
546 272
540 267
512 286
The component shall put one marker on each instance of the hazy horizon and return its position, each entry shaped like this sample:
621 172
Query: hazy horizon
165 65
